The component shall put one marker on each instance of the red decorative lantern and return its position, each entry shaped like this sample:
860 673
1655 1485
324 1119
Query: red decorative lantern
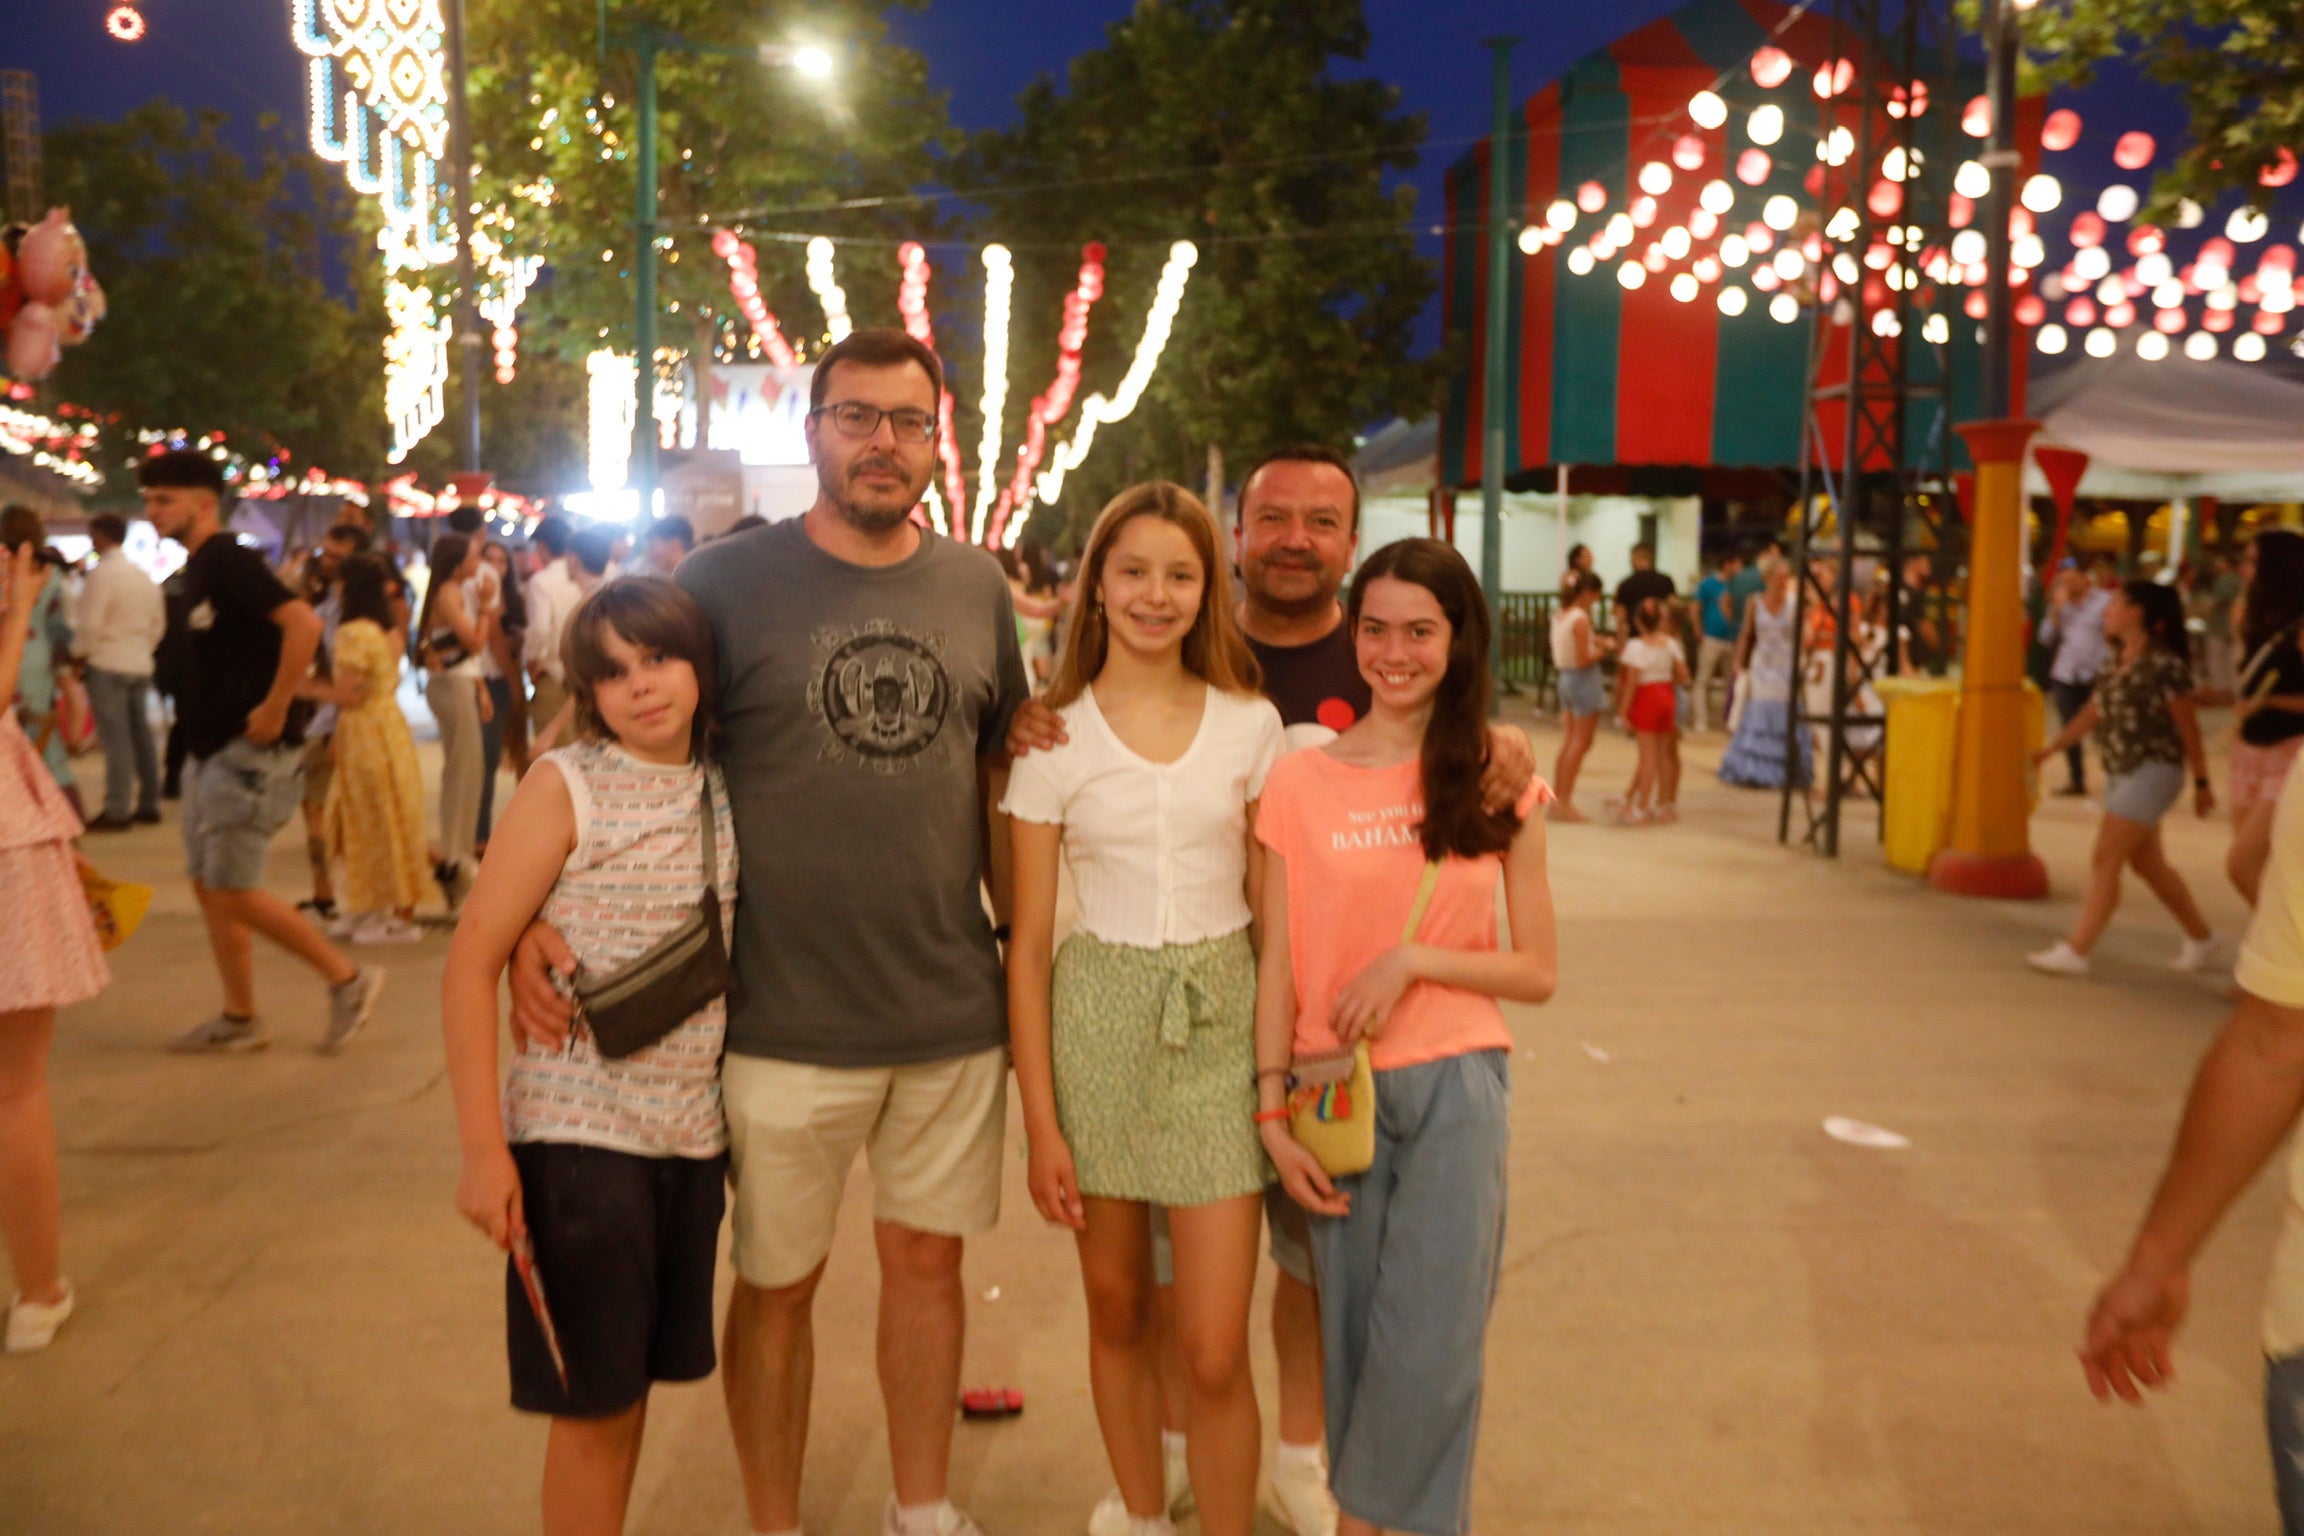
1752 167
1771 67
2134 150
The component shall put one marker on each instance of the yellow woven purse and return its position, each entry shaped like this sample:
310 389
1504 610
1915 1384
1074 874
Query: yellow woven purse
1332 1094
116 906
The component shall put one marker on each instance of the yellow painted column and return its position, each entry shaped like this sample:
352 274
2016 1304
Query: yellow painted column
1991 849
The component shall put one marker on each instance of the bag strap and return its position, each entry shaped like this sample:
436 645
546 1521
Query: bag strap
1424 890
711 838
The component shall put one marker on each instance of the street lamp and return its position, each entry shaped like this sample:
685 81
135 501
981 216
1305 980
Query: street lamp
647 41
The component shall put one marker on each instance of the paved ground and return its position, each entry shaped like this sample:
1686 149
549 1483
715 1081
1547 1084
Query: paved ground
1714 1318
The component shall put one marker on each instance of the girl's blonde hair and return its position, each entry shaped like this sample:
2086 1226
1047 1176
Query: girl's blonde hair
1214 650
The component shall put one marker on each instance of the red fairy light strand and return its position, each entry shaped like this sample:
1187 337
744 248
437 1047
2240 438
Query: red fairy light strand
912 304
744 283
1055 402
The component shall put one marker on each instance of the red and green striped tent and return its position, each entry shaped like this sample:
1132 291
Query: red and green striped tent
1605 376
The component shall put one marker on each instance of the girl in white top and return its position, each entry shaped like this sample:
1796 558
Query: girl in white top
1576 654
1650 673
1135 1045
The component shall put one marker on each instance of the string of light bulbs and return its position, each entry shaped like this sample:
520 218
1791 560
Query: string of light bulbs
999 289
1054 403
1098 410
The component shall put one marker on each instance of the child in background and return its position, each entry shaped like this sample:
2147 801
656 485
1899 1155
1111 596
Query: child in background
1576 651
612 1172
1650 673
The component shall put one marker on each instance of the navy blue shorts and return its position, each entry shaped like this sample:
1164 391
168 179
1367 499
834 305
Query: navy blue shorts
625 1246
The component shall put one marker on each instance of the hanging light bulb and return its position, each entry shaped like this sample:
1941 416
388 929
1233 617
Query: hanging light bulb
1771 66
1675 243
2100 343
1591 197
1685 287
1655 178
1789 264
1845 225
1717 197
2200 346
1580 261
1631 274
2152 346
1779 212
1936 329
2090 263
1968 247
1531 240
2249 348
1783 309
1836 147
1972 180
2247 225
1561 215
2041 193
1707 109
1733 300
2052 339
1765 125
2118 203
1733 251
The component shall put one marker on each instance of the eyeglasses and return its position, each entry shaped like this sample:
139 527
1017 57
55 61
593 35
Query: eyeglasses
857 420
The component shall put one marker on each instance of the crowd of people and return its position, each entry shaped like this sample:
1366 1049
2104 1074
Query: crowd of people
1286 815
1273 1027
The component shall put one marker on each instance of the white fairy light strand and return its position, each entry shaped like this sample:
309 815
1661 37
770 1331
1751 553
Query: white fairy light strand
1096 409
609 393
825 284
999 287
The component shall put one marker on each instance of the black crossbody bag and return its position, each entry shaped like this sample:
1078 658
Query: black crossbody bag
655 993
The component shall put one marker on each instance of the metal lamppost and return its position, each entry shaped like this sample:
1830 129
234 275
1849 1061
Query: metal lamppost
648 41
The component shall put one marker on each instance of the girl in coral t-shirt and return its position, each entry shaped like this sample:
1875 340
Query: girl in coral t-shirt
1414 1241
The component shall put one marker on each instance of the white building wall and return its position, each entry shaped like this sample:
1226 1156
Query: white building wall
1534 551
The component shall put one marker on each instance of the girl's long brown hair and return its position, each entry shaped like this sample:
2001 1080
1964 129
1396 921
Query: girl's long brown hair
1214 651
1455 753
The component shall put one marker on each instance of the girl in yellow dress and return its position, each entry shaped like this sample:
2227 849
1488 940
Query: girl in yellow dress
374 821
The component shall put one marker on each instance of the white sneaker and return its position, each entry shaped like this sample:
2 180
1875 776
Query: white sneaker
1110 1517
1300 1499
32 1325
344 924
2194 954
2059 959
387 929
951 1520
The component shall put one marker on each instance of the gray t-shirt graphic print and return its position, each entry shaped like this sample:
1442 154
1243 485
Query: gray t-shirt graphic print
856 701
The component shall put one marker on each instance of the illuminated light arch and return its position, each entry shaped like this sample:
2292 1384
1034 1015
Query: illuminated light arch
912 304
1053 404
1097 409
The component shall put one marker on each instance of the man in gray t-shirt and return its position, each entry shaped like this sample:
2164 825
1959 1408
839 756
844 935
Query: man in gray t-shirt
868 670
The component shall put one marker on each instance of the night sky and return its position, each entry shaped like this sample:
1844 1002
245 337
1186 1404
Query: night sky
235 55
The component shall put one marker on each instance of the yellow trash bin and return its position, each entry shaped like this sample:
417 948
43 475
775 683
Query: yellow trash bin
1923 724
1923 732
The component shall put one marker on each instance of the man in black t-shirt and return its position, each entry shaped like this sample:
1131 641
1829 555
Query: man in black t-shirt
250 643
1644 583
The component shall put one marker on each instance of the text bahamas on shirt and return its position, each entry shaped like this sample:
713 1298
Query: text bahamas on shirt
881 692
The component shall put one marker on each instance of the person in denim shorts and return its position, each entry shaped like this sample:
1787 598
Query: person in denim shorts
251 645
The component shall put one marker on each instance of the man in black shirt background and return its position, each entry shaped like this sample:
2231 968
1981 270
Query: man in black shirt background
1644 583
250 643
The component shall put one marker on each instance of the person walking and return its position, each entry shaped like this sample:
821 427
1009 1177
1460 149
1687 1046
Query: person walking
323 590
1644 583
604 1175
372 823
1716 623
2245 1101
2074 625
550 596
47 649
121 620
498 593
1759 749
251 644
1650 673
670 540
868 671
171 678
2148 730
1379 927
52 959
2267 698
1577 653
1134 1045
452 635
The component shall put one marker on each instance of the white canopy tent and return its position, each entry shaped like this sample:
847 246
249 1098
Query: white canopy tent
2177 428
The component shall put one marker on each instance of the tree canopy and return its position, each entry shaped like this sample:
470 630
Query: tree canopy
1222 122
220 320
2238 64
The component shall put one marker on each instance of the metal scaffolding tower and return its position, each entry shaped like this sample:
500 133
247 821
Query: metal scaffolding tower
1875 434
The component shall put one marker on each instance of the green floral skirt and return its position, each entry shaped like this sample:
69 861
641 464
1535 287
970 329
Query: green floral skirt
1155 1060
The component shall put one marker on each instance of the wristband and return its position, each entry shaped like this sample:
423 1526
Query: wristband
1268 1116
1265 1072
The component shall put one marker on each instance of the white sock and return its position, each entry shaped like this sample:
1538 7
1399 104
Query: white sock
1288 1457
922 1519
1171 1442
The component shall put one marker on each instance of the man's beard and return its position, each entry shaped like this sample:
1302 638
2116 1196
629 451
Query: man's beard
867 517
1319 600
